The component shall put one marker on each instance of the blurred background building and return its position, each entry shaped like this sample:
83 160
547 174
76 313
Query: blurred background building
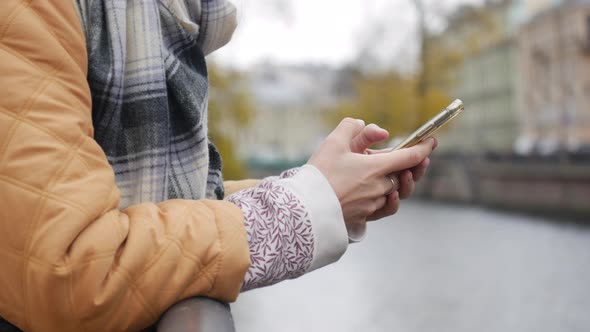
554 63
522 68
288 123
485 78
523 75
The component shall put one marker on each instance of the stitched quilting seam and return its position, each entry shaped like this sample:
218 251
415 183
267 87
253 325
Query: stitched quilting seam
205 272
48 73
25 264
46 131
48 29
48 195
110 202
10 51
16 124
219 257
160 252
13 16
183 252
42 86
35 221
72 152
123 271
72 267
70 290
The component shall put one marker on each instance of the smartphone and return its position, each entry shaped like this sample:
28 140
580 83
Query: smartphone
441 119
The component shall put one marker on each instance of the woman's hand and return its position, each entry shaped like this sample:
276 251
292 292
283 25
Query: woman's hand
361 180
373 134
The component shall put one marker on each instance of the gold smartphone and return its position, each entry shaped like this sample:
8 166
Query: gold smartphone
442 118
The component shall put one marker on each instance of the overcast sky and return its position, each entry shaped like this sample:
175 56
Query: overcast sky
326 31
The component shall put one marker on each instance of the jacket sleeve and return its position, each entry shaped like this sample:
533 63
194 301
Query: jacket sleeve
72 261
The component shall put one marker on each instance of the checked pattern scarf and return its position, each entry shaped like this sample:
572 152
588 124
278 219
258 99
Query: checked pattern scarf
148 79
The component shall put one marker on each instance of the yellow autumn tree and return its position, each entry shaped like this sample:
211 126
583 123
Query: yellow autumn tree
386 99
468 31
392 101
230 110
437 76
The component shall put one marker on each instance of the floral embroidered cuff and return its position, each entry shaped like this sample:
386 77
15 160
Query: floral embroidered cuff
294 225
279 232
331 237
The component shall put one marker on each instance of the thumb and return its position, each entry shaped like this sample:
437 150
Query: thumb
370 135
395 161
348 129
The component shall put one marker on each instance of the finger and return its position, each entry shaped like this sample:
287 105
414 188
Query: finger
373 151
407 184
395 161
348 129
391 207
392 183
370 135
371 206
419 171
380 203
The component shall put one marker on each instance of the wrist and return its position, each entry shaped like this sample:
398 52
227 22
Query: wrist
325 211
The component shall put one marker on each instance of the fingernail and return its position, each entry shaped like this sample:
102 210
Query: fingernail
362 123
434 143
377 128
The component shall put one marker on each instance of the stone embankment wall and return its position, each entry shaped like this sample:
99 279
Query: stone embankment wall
557 186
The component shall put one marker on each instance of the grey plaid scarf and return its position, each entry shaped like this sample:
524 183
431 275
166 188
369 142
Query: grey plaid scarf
149 85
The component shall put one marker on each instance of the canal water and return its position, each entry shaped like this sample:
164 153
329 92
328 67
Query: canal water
437 268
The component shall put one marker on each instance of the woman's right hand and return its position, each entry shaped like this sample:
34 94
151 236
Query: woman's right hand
359 180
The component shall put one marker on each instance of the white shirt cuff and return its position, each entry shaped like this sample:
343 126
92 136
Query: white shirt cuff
331 237
357 233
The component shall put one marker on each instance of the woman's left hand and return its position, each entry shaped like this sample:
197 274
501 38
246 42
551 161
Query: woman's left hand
407 179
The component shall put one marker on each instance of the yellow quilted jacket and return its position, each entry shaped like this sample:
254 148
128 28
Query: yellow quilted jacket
69 259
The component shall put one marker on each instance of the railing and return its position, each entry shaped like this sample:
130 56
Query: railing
197 315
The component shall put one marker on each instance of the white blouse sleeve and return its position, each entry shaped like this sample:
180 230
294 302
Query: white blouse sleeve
294 225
